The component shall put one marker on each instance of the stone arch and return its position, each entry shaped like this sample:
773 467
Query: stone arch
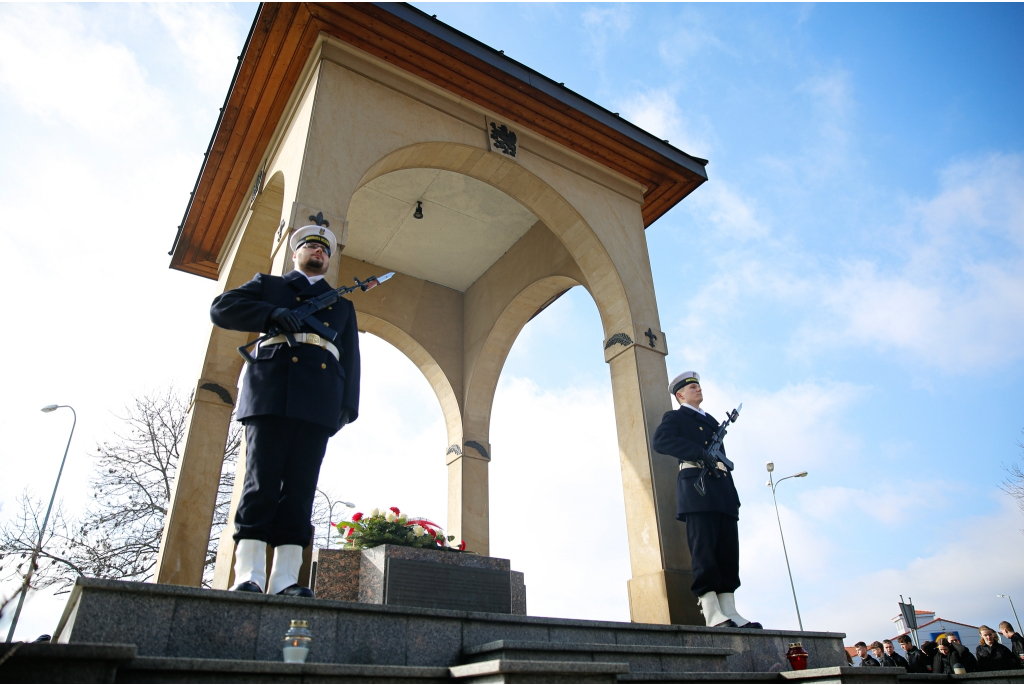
182 553
531 191
482 383
419 356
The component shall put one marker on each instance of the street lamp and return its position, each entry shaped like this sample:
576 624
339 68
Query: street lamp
330 515
42 531
772 484
1014 609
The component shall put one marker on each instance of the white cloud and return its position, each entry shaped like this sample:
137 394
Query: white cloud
606 23
656 111
557 508
957 301
209 39
943 286
689 38
95 85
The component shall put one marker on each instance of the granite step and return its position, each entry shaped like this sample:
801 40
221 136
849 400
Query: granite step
639 658
522 671
700 677
178 670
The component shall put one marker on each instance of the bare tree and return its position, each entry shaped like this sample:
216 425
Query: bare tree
326 502
118 536
1013 485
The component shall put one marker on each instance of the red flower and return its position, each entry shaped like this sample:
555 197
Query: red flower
462 545
358 516
395 509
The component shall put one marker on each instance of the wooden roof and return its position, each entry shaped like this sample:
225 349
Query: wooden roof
278 46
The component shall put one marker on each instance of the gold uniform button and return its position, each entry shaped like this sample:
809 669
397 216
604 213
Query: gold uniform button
330 307
323 366
298 299
295 359
700 427
327 324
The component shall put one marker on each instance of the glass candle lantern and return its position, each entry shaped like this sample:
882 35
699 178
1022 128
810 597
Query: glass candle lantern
797 656
296 642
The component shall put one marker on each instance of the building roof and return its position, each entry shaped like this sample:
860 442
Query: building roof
276 50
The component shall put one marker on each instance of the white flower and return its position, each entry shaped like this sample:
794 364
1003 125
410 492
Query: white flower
389 517
403 518
375 512
418 531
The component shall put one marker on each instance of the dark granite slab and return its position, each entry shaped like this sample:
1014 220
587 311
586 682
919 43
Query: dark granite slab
191 623
361 576
337 574
43 662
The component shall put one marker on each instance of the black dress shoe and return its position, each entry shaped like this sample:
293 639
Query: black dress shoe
753 625
296 591
247 586
728 623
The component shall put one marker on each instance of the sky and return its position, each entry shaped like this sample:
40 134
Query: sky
851 272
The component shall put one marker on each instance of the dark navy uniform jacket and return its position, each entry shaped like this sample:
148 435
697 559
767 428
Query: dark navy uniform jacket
684 434
305 381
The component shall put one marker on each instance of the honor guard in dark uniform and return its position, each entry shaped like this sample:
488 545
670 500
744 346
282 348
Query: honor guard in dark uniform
293 398
712 518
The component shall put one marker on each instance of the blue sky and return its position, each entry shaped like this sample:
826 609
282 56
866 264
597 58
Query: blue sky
851 272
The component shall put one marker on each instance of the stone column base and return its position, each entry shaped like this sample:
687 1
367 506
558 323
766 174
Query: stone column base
664 597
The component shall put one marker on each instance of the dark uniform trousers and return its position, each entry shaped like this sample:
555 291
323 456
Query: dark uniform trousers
283 457
712 519
714 544
293 399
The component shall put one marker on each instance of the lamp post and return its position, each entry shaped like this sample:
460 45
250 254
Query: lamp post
772 484
1013 608
42 530
330 514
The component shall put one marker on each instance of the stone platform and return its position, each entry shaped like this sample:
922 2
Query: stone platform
161 633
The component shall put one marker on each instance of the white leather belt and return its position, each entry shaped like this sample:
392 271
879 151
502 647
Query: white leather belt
306 338
698 465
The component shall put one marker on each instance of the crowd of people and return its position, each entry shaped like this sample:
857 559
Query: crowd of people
947 654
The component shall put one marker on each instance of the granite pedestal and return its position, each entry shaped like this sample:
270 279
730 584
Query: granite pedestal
167 633
425 578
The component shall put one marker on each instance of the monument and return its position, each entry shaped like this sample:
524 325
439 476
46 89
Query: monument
490 190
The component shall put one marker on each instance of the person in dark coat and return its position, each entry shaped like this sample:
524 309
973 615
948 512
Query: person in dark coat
1016 641
293 398
891 658
963 653
712 519
993 656
865 658
917 661
947 659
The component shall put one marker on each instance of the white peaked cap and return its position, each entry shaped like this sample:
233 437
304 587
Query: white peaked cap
685 378
313 233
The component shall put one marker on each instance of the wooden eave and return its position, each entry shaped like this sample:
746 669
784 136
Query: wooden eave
276 51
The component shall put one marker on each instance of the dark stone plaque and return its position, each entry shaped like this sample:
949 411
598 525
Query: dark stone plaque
447 586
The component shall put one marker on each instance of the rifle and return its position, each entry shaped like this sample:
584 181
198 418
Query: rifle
713 452
306 311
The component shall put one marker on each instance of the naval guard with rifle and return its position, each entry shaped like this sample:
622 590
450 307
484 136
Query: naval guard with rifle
301 387
706 499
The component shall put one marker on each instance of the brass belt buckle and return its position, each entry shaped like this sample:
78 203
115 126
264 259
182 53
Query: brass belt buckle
313 339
